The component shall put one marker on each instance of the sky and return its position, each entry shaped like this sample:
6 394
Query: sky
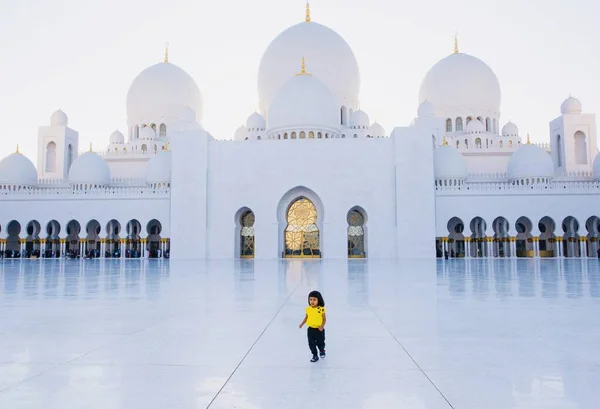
81 56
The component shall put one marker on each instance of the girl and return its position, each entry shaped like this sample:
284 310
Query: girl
315 319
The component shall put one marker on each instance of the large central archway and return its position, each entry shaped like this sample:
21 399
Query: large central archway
302 233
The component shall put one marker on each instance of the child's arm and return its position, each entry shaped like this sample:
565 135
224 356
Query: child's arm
303 321
324 321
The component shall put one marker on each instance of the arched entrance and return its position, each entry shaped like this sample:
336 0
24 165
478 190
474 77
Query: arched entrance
356 234
153 229
301 232
247 220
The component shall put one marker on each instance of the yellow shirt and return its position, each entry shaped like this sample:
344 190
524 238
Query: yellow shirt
315 316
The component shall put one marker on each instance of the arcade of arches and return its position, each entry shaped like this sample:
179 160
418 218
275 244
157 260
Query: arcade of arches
301 234
90 242
547 240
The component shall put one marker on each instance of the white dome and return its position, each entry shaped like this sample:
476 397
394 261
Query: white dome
59 118
147 133
571 105
530 161
360 120
240 134
89 168
461 83
303 101
160 93
475 126
510 130
158 169
17 169
426 109
329 56
255 121
596 167
376 130
448 163
117 138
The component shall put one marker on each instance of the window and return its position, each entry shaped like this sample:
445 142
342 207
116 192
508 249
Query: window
580 148
51 157
163 130
459 124
448 125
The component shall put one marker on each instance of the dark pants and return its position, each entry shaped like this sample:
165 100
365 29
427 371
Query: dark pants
316 339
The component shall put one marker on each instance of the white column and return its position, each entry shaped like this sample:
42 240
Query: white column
467 247
143 247
559 247
583 246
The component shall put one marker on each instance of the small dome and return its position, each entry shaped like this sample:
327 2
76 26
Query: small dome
147 133
17 169
117 138
475 126
241 134
89 168
376 131
360 120
510 130
571 105
303 101
159 93
596 167
256 122
59 118
426 110
448 163
158 169
530 161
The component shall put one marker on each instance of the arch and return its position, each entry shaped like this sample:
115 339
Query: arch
456 240
92 239
547 242
570 226
478 142
69 156
144 148
133 248
73 244
311 135
300 215
245 233
293 135
459 124
524 241
319 135
478 228
51 157
469 119
32 240
162 130
13 240
153 126
113 241
154 240
357 236
302 135
448 125
52 247
580 141
501 237
558 151
592 225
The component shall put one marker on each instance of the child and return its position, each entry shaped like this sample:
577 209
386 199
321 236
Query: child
315 319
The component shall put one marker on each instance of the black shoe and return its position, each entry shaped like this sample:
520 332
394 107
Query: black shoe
314 358
322 354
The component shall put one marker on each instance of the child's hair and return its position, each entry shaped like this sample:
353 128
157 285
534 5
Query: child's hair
318 296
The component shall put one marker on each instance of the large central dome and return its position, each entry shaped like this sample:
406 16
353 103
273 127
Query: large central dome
330 57
461 84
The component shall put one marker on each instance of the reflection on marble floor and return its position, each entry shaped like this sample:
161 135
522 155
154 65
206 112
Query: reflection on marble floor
130 334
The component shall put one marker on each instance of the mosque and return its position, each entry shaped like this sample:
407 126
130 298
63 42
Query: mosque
309 175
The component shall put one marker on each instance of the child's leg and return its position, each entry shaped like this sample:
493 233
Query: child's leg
320 340
312 341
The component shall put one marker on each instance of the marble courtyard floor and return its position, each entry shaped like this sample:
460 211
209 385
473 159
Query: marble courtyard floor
468 334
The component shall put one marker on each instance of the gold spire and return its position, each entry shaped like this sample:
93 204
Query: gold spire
166 52
303 68
307 18
166 147
444 141
17 151
528 139
90 147
456 43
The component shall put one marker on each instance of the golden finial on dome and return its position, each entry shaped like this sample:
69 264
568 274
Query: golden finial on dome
456 43
166 52
17 151
528 140
303 68
444 141
307 18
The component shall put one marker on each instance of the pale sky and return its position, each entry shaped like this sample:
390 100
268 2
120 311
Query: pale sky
82 55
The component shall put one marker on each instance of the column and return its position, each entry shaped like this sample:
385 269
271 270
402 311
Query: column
536 246
467 247
2 245
143 247
490 246
102 247
122 247
559 247
513 246
583 246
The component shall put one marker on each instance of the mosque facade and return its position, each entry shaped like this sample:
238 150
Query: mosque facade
309 175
